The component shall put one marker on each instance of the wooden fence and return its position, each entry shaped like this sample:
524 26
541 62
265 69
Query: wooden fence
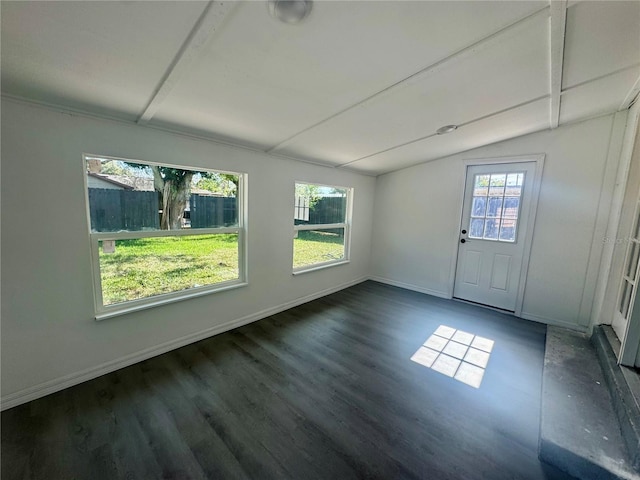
114 210
210 212
324 210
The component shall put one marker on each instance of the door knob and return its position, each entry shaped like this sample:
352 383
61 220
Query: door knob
464 231
462 240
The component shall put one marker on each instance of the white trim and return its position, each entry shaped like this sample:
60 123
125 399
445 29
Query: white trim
410 286
102 311
553 321
346 226
319 226
185 232
590 302
538 159
86 156
319 266
455 236
611 228
66 381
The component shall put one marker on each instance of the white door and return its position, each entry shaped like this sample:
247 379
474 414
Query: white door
495 221
627 292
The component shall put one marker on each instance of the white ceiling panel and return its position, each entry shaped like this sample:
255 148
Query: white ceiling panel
599 97
506 71
106 57
526 119
358 82
601 37
263 81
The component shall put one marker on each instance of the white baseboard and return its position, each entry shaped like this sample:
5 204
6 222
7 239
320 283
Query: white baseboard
554 322
57 384
524 315
409 286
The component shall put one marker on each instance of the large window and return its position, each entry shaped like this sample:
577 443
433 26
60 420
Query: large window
161 233
321 220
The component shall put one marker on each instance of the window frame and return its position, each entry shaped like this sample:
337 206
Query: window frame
346 225
103 311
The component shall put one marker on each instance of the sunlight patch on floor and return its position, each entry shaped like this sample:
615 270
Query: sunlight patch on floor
457 354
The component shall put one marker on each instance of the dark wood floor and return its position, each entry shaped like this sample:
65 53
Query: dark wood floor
326 390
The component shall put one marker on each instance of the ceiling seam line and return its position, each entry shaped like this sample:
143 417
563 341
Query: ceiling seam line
132 123
422 162
413 75
557 34
600 77
206 26
484 117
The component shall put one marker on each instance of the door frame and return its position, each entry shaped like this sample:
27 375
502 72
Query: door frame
538 159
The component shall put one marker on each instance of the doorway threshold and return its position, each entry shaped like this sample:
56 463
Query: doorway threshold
483 305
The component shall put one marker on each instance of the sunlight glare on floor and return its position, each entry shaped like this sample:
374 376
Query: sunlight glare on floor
457 354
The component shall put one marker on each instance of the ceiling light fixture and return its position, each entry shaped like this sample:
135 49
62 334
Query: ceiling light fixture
290 11
446 129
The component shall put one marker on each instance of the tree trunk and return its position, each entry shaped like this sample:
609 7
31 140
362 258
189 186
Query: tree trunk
175 194
175 198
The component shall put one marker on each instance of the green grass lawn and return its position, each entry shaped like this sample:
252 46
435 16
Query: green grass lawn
316 247
152 266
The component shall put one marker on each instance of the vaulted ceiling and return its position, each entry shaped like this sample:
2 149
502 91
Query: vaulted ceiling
357 85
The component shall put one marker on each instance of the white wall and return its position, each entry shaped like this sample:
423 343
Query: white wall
417 215
49 337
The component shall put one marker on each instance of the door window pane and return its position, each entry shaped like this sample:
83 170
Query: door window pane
508 230
479 206
511 206
491 227
496 185
625 298
495 207
481 185
476 228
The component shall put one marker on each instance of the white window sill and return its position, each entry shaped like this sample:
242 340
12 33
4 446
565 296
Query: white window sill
143 304
321 266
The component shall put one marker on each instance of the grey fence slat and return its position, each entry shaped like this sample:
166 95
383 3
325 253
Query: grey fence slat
208 212
328 210
113 210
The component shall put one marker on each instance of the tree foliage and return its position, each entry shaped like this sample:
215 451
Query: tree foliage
225 184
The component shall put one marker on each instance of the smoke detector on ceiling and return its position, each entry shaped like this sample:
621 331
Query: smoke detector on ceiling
290 11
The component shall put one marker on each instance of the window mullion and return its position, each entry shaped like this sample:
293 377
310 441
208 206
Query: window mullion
161 233
319 226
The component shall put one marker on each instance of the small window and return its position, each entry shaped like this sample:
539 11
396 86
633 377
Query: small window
161 233
495 206
321 218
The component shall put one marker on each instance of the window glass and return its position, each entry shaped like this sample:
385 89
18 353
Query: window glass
159 229
321 227
495 206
